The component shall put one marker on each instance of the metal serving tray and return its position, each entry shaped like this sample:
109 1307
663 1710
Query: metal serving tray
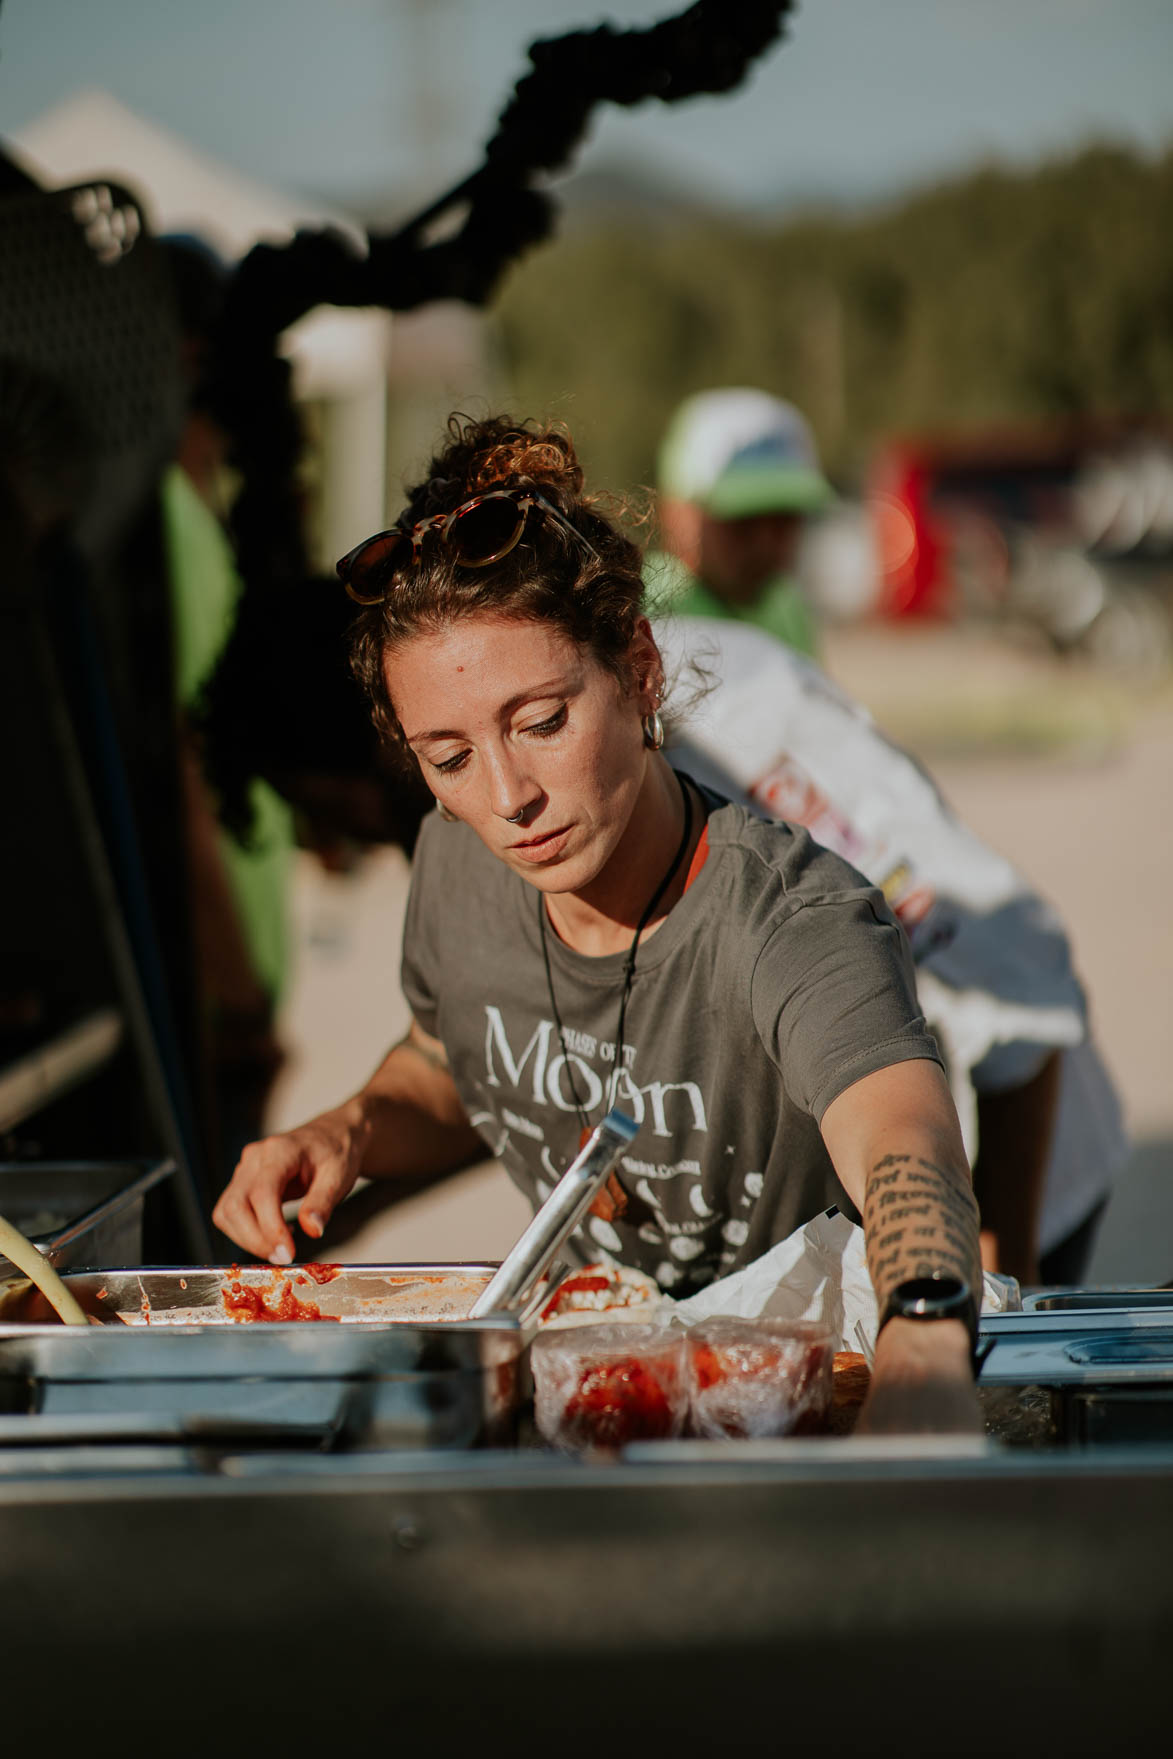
1108 1370
1071 1348
79 1212
403 1368
1096 1300
202 1295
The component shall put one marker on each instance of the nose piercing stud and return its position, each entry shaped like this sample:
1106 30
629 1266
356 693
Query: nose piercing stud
515 818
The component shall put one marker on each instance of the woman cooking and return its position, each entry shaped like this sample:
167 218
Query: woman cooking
587 927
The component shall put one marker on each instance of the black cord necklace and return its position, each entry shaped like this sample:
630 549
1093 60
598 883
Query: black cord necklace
628 966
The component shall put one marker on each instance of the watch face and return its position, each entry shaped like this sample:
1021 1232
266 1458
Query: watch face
936 1297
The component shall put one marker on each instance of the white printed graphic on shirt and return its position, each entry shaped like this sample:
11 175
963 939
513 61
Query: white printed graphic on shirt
554 1080
552 1072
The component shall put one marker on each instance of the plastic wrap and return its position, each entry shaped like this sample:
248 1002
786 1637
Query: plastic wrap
602 1386
607 1385
757 1377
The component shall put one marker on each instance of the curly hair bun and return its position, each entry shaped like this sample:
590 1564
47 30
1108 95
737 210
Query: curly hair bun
500 453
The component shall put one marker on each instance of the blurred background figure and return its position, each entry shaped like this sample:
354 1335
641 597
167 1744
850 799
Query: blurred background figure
742 492
738 474
995 975
239 883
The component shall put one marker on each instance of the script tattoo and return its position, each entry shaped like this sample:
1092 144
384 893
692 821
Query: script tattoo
919 1218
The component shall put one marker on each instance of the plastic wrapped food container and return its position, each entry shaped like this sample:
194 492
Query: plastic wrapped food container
757 1377
603 1386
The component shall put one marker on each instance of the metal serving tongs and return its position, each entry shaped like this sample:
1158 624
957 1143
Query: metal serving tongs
559 1215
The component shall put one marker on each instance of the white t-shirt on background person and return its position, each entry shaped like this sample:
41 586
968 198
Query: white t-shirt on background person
994 971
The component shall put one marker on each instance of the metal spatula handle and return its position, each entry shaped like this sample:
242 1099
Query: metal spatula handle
559 1215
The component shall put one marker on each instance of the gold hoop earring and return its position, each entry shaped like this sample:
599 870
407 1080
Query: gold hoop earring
446 813
653 730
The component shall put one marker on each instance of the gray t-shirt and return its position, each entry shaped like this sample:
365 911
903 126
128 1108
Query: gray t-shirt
779 979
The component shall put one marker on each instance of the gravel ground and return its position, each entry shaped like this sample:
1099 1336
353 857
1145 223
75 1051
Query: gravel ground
1065 771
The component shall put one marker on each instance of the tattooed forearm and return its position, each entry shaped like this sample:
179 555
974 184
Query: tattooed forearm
919 1218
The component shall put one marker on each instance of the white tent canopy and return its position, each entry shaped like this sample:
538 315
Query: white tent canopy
182 189
339 357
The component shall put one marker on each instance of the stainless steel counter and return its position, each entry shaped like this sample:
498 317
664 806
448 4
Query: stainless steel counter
800 1596
794 1597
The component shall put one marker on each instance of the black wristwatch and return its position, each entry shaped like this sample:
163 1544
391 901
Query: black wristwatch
938 1296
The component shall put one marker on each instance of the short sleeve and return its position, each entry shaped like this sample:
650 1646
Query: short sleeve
419 967
833 994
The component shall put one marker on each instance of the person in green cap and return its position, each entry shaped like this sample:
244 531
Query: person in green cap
738 475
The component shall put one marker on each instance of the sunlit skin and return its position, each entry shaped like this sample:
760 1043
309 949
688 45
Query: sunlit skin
509 716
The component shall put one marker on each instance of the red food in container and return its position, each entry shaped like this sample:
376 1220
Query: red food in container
757 1377
606 1385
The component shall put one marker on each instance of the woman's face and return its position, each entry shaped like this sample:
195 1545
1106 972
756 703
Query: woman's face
509 716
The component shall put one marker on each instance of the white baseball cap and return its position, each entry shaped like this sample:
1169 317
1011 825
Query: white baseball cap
737 452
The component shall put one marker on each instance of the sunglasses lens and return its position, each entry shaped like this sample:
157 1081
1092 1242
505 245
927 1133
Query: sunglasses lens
366 572
486 531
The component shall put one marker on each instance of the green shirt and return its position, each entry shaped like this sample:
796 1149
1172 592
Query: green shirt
780 608
205 588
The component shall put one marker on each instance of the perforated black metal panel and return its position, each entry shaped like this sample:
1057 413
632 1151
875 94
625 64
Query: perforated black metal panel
95 888
86 315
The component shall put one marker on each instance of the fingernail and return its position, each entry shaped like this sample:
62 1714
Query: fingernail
313 1224
281 1255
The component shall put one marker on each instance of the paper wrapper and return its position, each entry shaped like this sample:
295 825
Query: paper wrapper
818 1273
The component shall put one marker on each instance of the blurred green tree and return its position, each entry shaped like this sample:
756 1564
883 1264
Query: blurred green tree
1006 296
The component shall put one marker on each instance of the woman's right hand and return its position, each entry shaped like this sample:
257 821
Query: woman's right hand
318 1162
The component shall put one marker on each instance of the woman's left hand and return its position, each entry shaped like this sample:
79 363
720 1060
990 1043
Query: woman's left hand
922 1382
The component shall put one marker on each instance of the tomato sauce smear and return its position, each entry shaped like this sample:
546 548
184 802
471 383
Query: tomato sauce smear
274 1303
623 1400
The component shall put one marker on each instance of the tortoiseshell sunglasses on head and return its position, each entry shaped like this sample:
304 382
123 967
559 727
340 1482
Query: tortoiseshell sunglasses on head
477 532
